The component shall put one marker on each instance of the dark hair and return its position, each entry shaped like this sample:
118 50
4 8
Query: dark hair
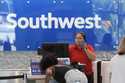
48 61
121 49
83 35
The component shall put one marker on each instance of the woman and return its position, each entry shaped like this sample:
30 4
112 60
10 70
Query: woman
118 64
82 52
61 73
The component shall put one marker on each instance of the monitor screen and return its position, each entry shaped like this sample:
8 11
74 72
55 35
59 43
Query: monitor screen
59 49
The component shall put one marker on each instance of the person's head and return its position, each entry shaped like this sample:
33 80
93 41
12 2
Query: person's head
47 64
121 49
80 38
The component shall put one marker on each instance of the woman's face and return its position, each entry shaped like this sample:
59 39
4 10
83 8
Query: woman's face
79 39
49 71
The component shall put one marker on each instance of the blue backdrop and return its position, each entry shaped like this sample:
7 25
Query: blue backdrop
31 39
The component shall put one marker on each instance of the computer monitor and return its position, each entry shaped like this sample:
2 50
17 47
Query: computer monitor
59 49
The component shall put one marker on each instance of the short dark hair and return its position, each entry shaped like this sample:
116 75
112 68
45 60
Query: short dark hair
83 35
48 61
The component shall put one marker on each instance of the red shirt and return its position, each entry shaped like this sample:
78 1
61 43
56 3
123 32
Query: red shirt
76 54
